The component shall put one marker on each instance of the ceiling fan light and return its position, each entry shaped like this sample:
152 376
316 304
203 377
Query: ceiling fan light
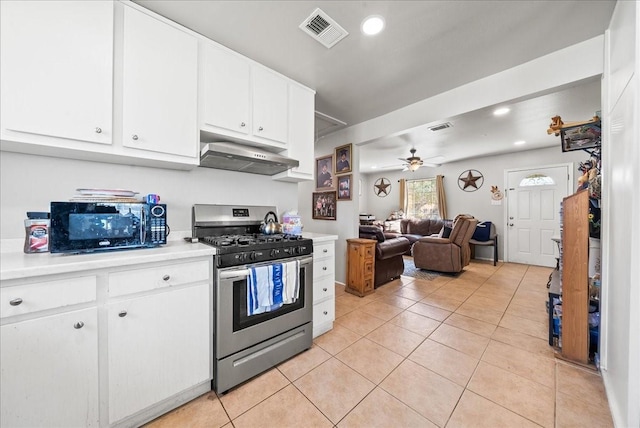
414 166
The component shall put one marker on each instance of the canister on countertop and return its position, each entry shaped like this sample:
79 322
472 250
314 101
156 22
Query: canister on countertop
36 228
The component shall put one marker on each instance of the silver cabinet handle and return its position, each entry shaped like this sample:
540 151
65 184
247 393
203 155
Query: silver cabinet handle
511 224
78 325
324 268
122 314
166 277
324 289
134 137
260 128
325 251
15 302
325 312
98 130
242 125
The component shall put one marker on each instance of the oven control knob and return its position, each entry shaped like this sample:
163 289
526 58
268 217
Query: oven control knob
242 257
252 255
273 253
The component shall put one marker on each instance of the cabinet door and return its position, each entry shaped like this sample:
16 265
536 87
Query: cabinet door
159 345
300 138
160 74
50 365
226 90
54 82
301 128
270 104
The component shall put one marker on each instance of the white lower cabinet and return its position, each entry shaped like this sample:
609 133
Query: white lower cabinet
158 346
50 371
323 286
114 346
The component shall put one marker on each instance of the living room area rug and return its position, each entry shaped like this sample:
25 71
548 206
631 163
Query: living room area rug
411 270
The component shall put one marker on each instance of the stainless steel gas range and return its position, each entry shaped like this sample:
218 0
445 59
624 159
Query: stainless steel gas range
263 287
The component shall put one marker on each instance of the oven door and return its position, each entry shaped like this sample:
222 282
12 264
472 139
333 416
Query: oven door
236 330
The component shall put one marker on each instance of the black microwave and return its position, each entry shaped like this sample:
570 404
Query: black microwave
82 227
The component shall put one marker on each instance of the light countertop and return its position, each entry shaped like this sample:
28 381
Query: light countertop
17 265
319 237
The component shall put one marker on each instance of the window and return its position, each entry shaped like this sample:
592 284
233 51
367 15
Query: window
537 180
422 199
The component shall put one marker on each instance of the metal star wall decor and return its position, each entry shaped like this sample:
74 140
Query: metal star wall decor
382 187
470 180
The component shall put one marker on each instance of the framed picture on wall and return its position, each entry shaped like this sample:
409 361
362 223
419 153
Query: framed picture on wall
344 187
343 159
581 137
324 205
324 172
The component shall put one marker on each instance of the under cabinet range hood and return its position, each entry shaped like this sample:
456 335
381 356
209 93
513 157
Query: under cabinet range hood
237 157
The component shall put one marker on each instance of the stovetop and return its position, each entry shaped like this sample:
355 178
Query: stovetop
230 243
234 250
234 231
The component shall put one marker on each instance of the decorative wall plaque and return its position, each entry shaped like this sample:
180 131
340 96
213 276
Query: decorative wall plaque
470 180
382 187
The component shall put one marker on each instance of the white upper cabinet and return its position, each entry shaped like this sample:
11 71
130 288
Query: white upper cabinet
159 84
270 116
226 90
301 127
98 80
56 70
240 100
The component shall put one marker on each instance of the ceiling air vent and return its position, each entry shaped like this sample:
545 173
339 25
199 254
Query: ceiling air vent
441 126
324 29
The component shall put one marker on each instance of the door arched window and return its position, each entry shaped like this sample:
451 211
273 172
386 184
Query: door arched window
537 180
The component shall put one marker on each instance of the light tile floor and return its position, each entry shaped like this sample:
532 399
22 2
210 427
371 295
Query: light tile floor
457 351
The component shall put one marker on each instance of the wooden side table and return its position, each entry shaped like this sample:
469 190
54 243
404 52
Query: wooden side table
360 266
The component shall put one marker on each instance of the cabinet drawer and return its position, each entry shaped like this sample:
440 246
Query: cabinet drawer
324 267
368 285
324 312
321 251
368 269
135 281
25 299
323 288
369 252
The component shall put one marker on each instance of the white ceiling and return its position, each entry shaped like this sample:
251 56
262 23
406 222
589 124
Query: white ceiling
427 47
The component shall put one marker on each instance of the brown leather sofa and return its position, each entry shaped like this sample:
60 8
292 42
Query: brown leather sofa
389 251
415 229
450 254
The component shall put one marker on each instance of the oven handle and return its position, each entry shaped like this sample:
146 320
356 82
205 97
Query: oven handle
234 273
242 273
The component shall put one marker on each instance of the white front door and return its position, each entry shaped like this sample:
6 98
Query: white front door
534 196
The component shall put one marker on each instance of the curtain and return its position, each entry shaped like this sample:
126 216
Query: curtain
442 201
403 195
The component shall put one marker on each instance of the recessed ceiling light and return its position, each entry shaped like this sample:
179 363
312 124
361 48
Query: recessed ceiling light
372 25
374 167
519 143
501 111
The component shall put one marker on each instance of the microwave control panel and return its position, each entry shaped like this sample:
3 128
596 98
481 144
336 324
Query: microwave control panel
158 222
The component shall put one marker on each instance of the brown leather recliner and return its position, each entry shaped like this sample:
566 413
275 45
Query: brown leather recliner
389 262
450 254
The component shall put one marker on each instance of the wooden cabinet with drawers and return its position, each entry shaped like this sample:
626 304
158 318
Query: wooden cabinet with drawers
360 266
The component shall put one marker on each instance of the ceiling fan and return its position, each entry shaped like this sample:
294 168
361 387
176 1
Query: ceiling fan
413 162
